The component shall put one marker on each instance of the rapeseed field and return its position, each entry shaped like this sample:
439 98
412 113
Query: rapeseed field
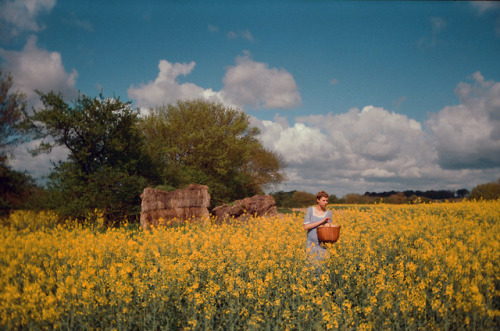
414 267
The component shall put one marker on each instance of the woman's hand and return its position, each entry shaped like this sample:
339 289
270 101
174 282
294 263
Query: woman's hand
309 226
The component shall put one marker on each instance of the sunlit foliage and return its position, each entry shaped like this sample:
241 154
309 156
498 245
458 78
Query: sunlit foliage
424 266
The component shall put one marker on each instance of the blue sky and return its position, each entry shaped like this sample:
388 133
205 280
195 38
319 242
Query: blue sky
356 96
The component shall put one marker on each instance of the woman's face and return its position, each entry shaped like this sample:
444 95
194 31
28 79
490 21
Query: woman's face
322 202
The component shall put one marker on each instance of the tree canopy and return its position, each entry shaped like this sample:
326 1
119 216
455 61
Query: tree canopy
207 143
106 167
488 191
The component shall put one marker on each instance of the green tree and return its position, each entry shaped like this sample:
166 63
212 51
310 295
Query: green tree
303 199
463 193
207 143
106 168
12 114
15 187
283 199
488 191
333 199
398 198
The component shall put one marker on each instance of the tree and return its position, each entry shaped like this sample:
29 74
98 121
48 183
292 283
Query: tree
303 199
106 168
283 199
12 113
353 198
207 143
333 199
15 187
397 198
462 193
488 191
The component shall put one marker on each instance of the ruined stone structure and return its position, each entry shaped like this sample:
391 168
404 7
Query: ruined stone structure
258 205
178 205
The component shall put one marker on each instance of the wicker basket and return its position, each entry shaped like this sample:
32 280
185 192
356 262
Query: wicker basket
328 234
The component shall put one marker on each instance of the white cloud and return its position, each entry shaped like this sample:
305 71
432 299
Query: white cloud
247 83
21 15
254 84
166 89
35 68
376 150
372 145
468 135
40 165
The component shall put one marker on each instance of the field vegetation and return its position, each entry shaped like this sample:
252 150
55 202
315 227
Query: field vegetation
421 266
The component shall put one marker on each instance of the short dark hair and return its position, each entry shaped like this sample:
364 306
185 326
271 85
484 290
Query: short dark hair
321 194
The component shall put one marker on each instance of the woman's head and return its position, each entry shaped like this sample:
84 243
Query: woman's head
322 199
321 194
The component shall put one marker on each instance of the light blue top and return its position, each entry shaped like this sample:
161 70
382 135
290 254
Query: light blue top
311 217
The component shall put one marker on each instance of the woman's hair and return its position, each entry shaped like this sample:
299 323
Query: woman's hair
321 194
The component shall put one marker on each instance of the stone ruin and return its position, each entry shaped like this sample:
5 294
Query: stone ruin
178 205
258 205
193 202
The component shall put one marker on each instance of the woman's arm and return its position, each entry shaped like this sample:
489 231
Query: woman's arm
307 220
310 226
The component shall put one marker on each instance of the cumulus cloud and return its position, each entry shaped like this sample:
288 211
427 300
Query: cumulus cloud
35 68
166 89
21 15
246 83
374 149
372 145
254 84
38 166
468 135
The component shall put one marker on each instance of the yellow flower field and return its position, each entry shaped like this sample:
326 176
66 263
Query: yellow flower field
426 266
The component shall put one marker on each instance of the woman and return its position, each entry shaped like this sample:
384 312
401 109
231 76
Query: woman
316 216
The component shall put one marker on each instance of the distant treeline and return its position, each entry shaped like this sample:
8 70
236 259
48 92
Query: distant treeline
298 199
432 194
